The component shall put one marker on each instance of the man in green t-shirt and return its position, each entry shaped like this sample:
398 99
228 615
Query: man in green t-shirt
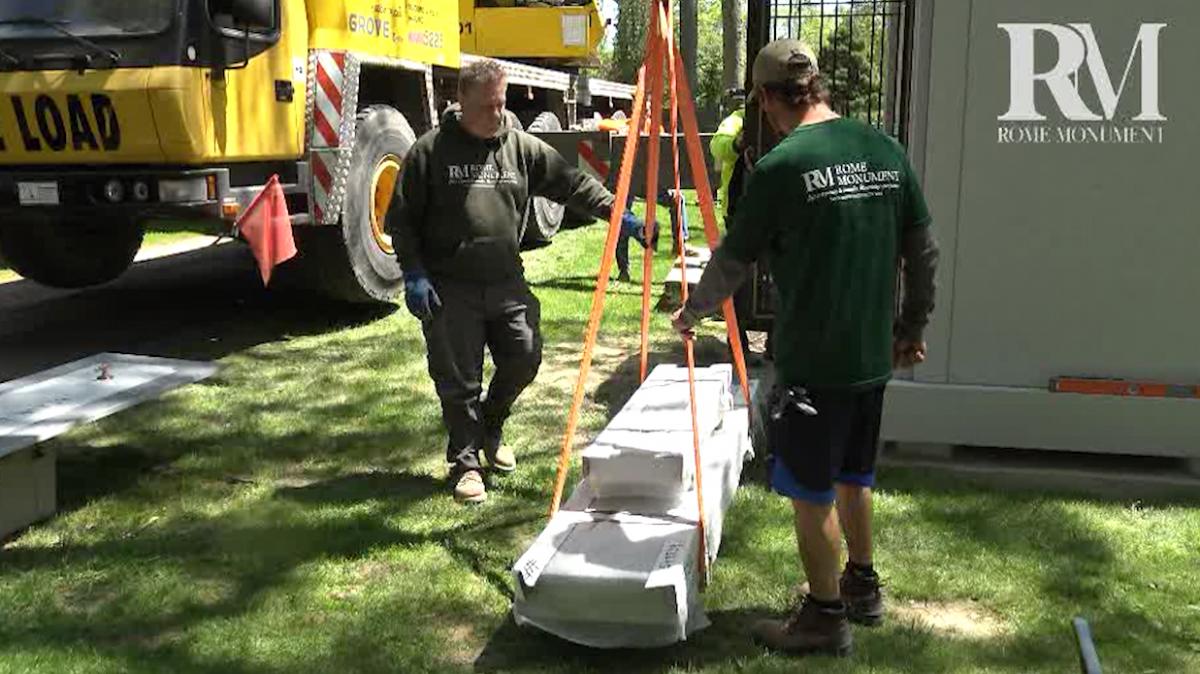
834 209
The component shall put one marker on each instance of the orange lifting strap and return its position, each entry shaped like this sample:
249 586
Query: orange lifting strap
661 51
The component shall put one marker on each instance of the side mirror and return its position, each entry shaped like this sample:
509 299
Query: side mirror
235 20
252 12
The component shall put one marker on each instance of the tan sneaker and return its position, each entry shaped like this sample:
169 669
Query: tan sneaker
501 458
470 488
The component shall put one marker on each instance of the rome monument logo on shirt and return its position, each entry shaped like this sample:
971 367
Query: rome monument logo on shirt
480 175
853 180
1078 117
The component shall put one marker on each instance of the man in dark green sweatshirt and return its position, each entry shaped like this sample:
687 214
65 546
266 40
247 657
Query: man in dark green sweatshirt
836 209
456 218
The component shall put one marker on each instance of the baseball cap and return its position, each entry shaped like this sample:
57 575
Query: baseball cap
782 61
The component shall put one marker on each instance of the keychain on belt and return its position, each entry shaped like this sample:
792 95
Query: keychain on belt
792 398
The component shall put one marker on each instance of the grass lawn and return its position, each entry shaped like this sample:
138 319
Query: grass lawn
157 234
290 515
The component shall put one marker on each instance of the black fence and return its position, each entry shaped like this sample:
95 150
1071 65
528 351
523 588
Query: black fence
862 49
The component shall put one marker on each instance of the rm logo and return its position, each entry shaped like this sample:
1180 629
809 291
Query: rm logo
818 180
1077 47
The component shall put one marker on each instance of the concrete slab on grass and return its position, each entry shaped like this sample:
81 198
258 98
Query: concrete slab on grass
697 259
28 488
38 407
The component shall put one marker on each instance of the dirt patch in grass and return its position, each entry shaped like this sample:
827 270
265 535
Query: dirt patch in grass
462 648
953 618
87 601
379 570
560 365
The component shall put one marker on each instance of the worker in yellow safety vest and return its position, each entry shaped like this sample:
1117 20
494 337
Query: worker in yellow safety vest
725 149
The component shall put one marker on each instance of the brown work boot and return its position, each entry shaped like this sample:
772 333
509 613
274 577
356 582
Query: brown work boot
809 630
863 596
470 488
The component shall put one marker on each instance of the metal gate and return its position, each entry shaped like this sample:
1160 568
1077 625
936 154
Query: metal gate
862 49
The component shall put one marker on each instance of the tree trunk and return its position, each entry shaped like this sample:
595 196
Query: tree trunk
689 21
632 26
731 38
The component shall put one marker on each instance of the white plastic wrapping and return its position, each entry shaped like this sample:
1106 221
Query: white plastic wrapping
620 569
647 447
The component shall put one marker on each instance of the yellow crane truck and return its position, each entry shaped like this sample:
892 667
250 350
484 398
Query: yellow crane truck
113 113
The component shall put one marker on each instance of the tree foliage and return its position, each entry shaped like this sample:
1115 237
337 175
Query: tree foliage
630 43
852 68
851 42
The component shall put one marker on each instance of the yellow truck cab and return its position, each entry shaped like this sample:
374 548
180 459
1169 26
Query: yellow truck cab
113 113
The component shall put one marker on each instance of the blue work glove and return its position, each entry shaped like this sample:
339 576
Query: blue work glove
419 296
632 226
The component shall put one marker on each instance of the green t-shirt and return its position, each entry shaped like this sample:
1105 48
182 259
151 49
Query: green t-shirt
826 208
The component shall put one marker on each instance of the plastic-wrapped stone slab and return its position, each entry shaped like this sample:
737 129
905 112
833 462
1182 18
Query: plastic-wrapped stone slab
647 448
622 572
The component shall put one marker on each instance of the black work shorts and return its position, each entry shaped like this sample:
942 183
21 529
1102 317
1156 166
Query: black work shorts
810 453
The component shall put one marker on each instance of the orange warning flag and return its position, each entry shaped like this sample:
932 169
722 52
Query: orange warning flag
267 227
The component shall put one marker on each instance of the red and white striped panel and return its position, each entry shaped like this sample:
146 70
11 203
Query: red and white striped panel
590 162
332 102
328 93
322 165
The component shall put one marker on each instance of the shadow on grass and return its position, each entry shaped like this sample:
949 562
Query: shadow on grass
513 648
205 304
726 645
252 551
236 425
397 489
471 541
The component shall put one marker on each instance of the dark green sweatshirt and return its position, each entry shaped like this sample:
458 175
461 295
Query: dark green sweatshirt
460 202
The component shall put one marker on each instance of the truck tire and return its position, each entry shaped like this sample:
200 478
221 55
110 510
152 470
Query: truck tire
68 251
543 217
354 261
